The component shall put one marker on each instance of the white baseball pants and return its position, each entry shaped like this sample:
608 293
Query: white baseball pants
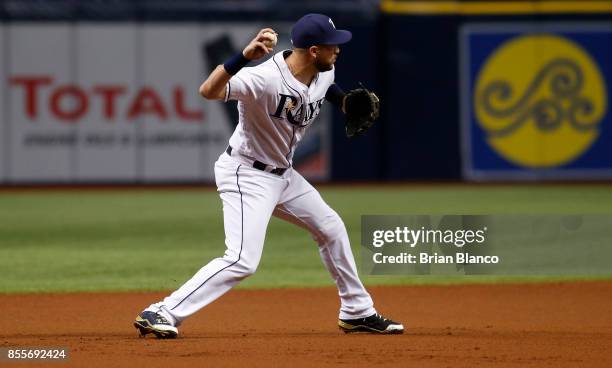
250 197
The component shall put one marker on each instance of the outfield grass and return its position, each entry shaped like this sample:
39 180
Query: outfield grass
155 240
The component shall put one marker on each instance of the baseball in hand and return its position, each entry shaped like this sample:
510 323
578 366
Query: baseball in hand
270 40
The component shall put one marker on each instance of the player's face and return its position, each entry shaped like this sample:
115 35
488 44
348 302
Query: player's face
325 57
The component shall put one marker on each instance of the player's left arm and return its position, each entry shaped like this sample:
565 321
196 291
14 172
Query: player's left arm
360 106
336 96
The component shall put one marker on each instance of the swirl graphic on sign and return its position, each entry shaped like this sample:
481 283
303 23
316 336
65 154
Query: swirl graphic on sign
540 99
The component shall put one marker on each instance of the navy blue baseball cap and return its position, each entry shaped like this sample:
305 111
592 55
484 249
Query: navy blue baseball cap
317 29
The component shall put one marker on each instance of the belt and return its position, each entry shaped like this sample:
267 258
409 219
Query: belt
260 165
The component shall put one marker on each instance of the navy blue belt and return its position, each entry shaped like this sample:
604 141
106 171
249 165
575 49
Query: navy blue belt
260 165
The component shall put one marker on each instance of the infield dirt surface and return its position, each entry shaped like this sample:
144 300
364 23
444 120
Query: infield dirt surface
565 324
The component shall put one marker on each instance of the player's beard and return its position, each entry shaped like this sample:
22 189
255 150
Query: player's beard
323 66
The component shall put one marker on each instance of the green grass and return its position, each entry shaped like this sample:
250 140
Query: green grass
155 240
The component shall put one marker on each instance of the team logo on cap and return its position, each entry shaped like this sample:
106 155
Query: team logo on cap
332 23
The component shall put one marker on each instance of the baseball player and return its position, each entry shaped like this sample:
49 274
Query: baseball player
277 101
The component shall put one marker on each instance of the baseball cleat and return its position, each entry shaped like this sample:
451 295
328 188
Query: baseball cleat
150 322
372 324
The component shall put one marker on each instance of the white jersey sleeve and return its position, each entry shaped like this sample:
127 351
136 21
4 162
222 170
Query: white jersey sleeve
246 85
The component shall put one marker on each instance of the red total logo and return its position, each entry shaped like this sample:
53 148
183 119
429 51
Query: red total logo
70 102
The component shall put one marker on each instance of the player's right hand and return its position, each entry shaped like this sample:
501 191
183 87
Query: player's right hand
256 48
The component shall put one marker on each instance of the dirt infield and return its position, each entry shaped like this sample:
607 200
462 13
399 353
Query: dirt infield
533 325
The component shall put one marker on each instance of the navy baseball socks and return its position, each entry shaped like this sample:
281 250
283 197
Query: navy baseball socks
150 322
372 324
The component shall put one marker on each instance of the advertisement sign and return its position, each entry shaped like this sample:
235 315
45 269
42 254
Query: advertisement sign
535 101
119 102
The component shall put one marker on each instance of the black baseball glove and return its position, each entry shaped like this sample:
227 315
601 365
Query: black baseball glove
362 108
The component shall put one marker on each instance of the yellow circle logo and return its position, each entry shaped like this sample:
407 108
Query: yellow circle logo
540 99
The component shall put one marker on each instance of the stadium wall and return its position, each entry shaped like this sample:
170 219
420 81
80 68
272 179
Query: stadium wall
429 61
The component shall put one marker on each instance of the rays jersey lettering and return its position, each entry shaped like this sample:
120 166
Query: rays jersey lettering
299 116
274 109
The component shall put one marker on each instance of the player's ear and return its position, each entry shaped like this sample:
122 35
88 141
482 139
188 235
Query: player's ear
313 51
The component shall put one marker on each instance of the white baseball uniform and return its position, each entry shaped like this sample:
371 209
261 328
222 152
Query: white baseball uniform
275 110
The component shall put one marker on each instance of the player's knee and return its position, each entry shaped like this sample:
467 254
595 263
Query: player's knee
246 267
332 228
243 263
